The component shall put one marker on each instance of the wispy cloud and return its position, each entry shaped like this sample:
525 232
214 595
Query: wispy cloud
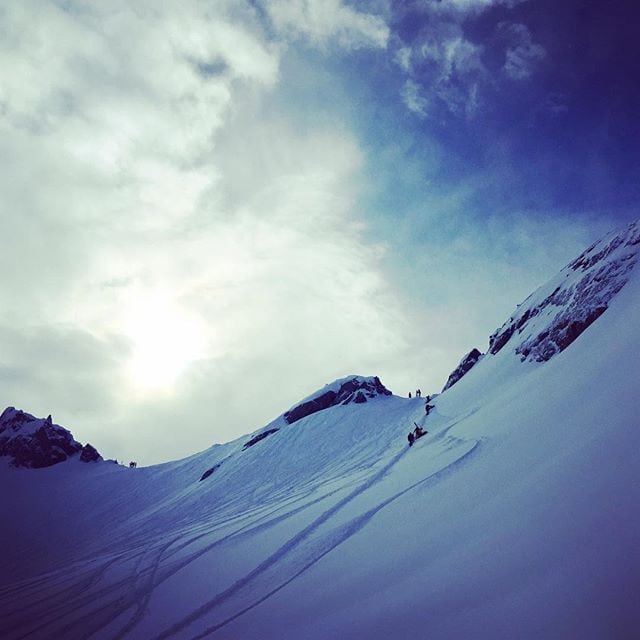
326 21
522 55
185 204
411 95
465 8
173 237
445 65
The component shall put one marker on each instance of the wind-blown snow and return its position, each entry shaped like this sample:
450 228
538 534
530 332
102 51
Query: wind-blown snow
515 517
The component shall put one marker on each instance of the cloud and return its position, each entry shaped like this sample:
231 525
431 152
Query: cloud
402 58
187 246
466 8
445 68
326 21
555 104
180 251
413 99
522 54
67 371
445 65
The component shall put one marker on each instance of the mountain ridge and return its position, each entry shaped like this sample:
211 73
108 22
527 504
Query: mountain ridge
545 323
514 516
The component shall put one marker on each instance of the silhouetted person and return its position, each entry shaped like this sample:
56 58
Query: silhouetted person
409 393
410 438
418 432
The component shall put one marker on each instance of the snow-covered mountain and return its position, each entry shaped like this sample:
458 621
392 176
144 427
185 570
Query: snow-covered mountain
38 442
516 516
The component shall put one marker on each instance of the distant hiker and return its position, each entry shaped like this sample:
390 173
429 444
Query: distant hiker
410 438
409 393
133 465
418 393
427 408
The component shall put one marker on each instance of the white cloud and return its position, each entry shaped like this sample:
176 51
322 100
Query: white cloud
454 55
324 21
403 58
466 7
411 95
146 184
444 65
522 55
446 68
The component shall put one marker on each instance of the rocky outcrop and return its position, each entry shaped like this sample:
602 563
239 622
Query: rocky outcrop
89 454
355 389
261 436
552 318
36 442
208 472
466 364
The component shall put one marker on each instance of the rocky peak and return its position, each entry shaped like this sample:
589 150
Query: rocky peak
38 442
465 365
547 322
354 389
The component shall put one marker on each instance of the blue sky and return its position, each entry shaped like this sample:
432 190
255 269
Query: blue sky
211 210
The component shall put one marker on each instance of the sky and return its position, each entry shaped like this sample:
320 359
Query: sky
210 209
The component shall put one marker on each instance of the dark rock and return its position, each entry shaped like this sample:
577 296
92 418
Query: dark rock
89 454
562 333
257 438
590 283
208 472
305 409
357 390
35 442
466 364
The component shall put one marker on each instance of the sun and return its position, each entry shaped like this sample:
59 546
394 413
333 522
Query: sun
165 341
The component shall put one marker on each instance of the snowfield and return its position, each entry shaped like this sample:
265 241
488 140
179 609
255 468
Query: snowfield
517 516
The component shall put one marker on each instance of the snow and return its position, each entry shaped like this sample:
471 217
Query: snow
515 517
551 318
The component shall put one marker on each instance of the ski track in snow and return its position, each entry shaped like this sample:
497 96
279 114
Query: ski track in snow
80 610
331 542
322 548
124 593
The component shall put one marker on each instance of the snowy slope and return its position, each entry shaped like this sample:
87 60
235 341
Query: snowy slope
515 517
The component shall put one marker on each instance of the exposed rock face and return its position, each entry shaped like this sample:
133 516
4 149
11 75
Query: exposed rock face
355 389
466 364
257 438
36 442
553 317
208 472
89 454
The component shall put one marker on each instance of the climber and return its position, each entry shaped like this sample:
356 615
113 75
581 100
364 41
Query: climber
418 432
410 438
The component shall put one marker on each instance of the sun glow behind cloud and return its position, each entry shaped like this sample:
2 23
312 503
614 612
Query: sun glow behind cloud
165 340
183 191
